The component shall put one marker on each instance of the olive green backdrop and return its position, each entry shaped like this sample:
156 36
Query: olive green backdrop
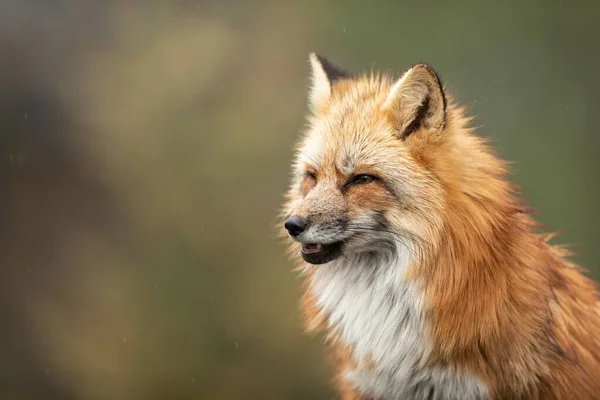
145 148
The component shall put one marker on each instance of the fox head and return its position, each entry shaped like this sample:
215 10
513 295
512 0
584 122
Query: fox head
376 166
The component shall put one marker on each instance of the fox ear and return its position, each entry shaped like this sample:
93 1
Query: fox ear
417 101
324 74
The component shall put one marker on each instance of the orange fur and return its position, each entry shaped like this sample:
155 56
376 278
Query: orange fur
503 304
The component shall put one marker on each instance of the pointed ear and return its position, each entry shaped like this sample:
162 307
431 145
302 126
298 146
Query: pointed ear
324 74
417 101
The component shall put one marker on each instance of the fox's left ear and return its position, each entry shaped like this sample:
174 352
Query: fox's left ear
417 101
324 74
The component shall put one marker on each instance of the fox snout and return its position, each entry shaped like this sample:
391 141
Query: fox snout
320 241
315 230
295 225
331 218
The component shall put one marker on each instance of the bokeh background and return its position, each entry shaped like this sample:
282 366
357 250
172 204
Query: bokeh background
145 148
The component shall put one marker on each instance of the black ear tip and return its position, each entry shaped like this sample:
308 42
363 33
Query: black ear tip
333 71
322 59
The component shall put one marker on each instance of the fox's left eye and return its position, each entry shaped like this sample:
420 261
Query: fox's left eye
362 179
311 175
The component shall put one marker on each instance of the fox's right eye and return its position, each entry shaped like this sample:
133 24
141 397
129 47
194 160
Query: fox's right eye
311 175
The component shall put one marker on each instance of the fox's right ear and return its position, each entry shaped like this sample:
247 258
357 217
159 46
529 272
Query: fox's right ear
324 74
417 101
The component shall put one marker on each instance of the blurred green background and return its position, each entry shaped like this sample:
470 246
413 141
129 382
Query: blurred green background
145 148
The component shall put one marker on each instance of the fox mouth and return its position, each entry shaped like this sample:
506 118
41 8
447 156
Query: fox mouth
318 253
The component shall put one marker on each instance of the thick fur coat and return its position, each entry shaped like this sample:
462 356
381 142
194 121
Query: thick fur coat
421 265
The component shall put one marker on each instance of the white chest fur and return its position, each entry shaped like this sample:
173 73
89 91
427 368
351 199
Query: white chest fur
380 316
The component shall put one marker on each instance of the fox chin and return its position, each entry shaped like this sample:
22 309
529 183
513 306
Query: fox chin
421 265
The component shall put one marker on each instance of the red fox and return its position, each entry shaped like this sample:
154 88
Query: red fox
421 265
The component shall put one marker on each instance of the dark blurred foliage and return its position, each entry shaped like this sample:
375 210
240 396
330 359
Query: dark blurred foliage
145 148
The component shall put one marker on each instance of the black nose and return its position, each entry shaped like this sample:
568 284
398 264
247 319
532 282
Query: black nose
295 225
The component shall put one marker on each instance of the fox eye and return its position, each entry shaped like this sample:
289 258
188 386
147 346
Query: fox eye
362 179
311 175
